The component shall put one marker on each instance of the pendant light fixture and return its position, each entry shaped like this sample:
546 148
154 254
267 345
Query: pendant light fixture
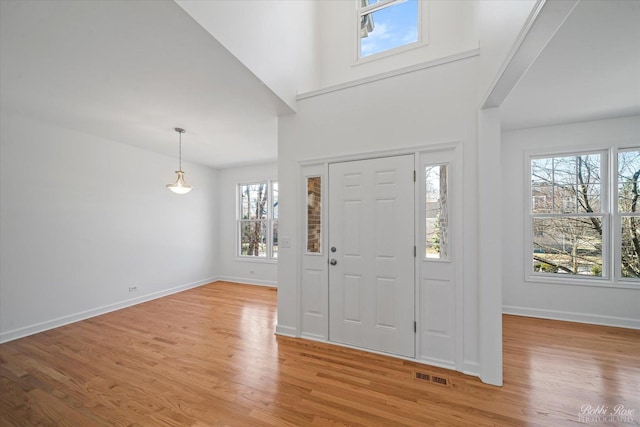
180 186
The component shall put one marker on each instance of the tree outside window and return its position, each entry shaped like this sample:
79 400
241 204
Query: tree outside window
436 212
258 223
571 221
629 208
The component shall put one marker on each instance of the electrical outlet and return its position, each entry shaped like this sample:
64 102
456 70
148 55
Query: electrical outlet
133 288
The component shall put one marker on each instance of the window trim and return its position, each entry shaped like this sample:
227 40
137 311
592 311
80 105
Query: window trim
383 4
269 221
617 218
609 212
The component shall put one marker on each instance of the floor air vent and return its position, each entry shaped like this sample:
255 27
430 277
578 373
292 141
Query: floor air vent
433 379
439 380
421 376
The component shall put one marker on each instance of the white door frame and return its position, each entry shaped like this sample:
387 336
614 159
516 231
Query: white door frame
314 325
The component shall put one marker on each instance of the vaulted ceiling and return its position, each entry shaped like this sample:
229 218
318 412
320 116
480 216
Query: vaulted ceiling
131 71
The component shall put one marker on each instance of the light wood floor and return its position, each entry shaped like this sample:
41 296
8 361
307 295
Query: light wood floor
209 356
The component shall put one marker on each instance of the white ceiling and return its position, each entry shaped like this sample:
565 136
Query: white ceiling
589 70
131 71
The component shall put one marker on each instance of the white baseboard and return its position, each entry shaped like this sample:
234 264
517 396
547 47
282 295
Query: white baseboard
248 281
594 319
314 337
72 318
439 363
287 331
471 368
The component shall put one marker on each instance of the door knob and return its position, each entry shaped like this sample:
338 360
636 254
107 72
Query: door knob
333 262
333 248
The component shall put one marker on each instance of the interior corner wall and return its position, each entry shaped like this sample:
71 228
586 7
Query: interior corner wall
83 219
230 267
430 106
276 40
589 304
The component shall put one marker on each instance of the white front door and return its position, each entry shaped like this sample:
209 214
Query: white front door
371 241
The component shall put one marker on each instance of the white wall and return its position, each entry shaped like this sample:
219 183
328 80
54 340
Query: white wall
231 267
84 218
275 39
426 107
591 304
323 50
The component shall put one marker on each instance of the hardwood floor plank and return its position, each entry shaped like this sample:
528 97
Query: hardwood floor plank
208 356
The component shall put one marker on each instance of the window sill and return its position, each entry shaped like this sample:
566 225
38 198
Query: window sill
256 260
441 260
579 281
391 52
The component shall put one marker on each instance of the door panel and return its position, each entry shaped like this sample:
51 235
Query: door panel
371 226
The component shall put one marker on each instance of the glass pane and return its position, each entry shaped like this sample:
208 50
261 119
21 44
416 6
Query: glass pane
628 174
588 183
569 184
393 26
568 245
588 198
274 239
253 238
541 198
541 171
564 170
274 197
630 246
314 214
564 198
254 201
436 213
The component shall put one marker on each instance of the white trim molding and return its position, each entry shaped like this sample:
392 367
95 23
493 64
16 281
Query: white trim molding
248 281
286 331
542 24
82 315
389 74
567 316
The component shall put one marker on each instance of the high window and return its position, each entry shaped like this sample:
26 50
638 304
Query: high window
258 220
584 215
387 24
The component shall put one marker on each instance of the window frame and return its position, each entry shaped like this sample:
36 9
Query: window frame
447 257
321 242
617 218
611 220
269 223
372 8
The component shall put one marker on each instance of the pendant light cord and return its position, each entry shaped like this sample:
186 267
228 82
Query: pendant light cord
180 150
